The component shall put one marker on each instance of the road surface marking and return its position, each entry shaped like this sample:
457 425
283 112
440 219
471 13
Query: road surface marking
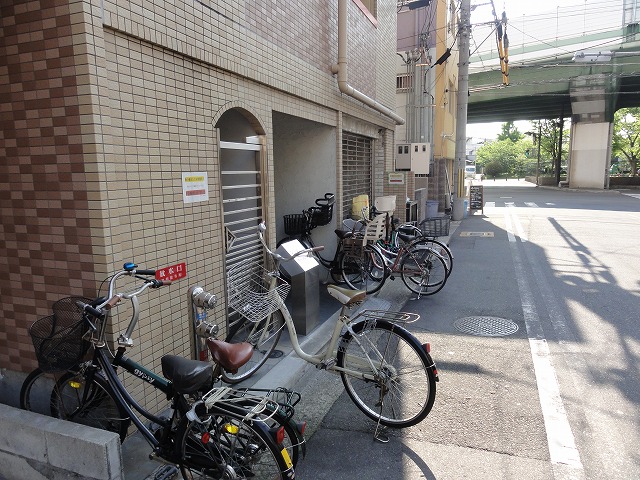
564 455
516 222
531 204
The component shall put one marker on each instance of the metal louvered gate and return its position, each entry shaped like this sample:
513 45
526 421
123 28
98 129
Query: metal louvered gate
357 171
241 176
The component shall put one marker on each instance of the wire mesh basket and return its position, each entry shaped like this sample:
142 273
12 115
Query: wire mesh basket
436 226
58 339
295 224
248 284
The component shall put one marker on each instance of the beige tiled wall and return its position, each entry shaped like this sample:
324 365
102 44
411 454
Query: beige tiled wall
105 103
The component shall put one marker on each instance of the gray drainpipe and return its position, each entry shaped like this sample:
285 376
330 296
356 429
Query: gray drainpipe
341 69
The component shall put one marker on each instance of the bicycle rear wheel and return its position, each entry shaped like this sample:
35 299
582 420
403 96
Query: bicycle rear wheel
220 446
89 402
294 441
35 393
365 272
263 335
423 271
400 388
440 248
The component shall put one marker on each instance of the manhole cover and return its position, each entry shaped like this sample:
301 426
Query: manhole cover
486 326
276 354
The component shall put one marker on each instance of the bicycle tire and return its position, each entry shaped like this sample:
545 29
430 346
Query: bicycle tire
294 440
35 392
441 248
99 409
423 271
366 272
219 445
402 356
263 335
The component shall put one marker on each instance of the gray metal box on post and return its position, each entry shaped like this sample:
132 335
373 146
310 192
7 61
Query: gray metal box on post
304 298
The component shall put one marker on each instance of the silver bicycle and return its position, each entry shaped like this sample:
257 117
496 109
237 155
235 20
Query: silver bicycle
387 372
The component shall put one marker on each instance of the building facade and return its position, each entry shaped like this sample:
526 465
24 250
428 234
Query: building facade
162 132
426 89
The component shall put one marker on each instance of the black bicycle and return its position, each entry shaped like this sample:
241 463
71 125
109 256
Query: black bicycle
212 433
298 226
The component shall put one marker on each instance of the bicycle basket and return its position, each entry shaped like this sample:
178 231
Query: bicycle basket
248 284
58 339
435 226
353 246
295 224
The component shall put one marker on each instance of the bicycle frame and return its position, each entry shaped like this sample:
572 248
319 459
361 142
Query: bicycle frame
124 397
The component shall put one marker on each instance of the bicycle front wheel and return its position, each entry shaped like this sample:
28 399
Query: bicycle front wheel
365 272
389 376
423 271
263 335
222 446
89 402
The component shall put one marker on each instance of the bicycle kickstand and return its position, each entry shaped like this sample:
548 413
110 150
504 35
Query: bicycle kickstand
380 434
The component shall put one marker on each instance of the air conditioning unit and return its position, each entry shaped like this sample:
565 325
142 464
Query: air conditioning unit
414 157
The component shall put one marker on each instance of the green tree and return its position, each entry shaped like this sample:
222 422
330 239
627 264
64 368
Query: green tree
549 143
510 132
506 157
625 142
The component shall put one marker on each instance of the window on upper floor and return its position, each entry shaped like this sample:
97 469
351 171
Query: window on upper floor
404 81
369 7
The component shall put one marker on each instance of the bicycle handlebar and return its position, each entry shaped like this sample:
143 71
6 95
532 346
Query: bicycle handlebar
276 256
113 298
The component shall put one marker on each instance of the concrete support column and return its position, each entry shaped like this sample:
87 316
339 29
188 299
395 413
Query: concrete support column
591 129
590 155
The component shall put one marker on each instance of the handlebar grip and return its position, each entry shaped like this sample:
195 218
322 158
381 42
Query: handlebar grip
112 302
163 283
146 272
317 249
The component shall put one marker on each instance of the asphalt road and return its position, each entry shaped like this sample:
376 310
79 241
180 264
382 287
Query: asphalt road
559 398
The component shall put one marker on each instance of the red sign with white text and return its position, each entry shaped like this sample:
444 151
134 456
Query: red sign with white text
174 272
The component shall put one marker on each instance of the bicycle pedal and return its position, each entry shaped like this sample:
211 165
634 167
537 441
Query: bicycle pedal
166 472
326 364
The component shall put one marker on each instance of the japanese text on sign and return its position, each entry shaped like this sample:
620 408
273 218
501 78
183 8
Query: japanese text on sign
195 187
174 272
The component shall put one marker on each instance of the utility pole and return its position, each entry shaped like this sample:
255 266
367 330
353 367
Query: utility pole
464 32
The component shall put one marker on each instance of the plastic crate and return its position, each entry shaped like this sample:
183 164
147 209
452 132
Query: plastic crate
436 226
353 246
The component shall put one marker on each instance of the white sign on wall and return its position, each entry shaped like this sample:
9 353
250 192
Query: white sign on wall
195 187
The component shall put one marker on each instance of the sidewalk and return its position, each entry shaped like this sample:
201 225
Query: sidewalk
286 371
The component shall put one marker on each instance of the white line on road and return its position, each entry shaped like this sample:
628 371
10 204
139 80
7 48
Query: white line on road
531 204
516 222
565 458
508 227
634 195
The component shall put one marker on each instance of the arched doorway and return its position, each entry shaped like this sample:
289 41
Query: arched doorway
243 183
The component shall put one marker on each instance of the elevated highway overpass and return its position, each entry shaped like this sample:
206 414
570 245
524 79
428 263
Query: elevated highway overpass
586 85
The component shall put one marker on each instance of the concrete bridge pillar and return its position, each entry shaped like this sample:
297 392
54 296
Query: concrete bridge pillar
591 130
